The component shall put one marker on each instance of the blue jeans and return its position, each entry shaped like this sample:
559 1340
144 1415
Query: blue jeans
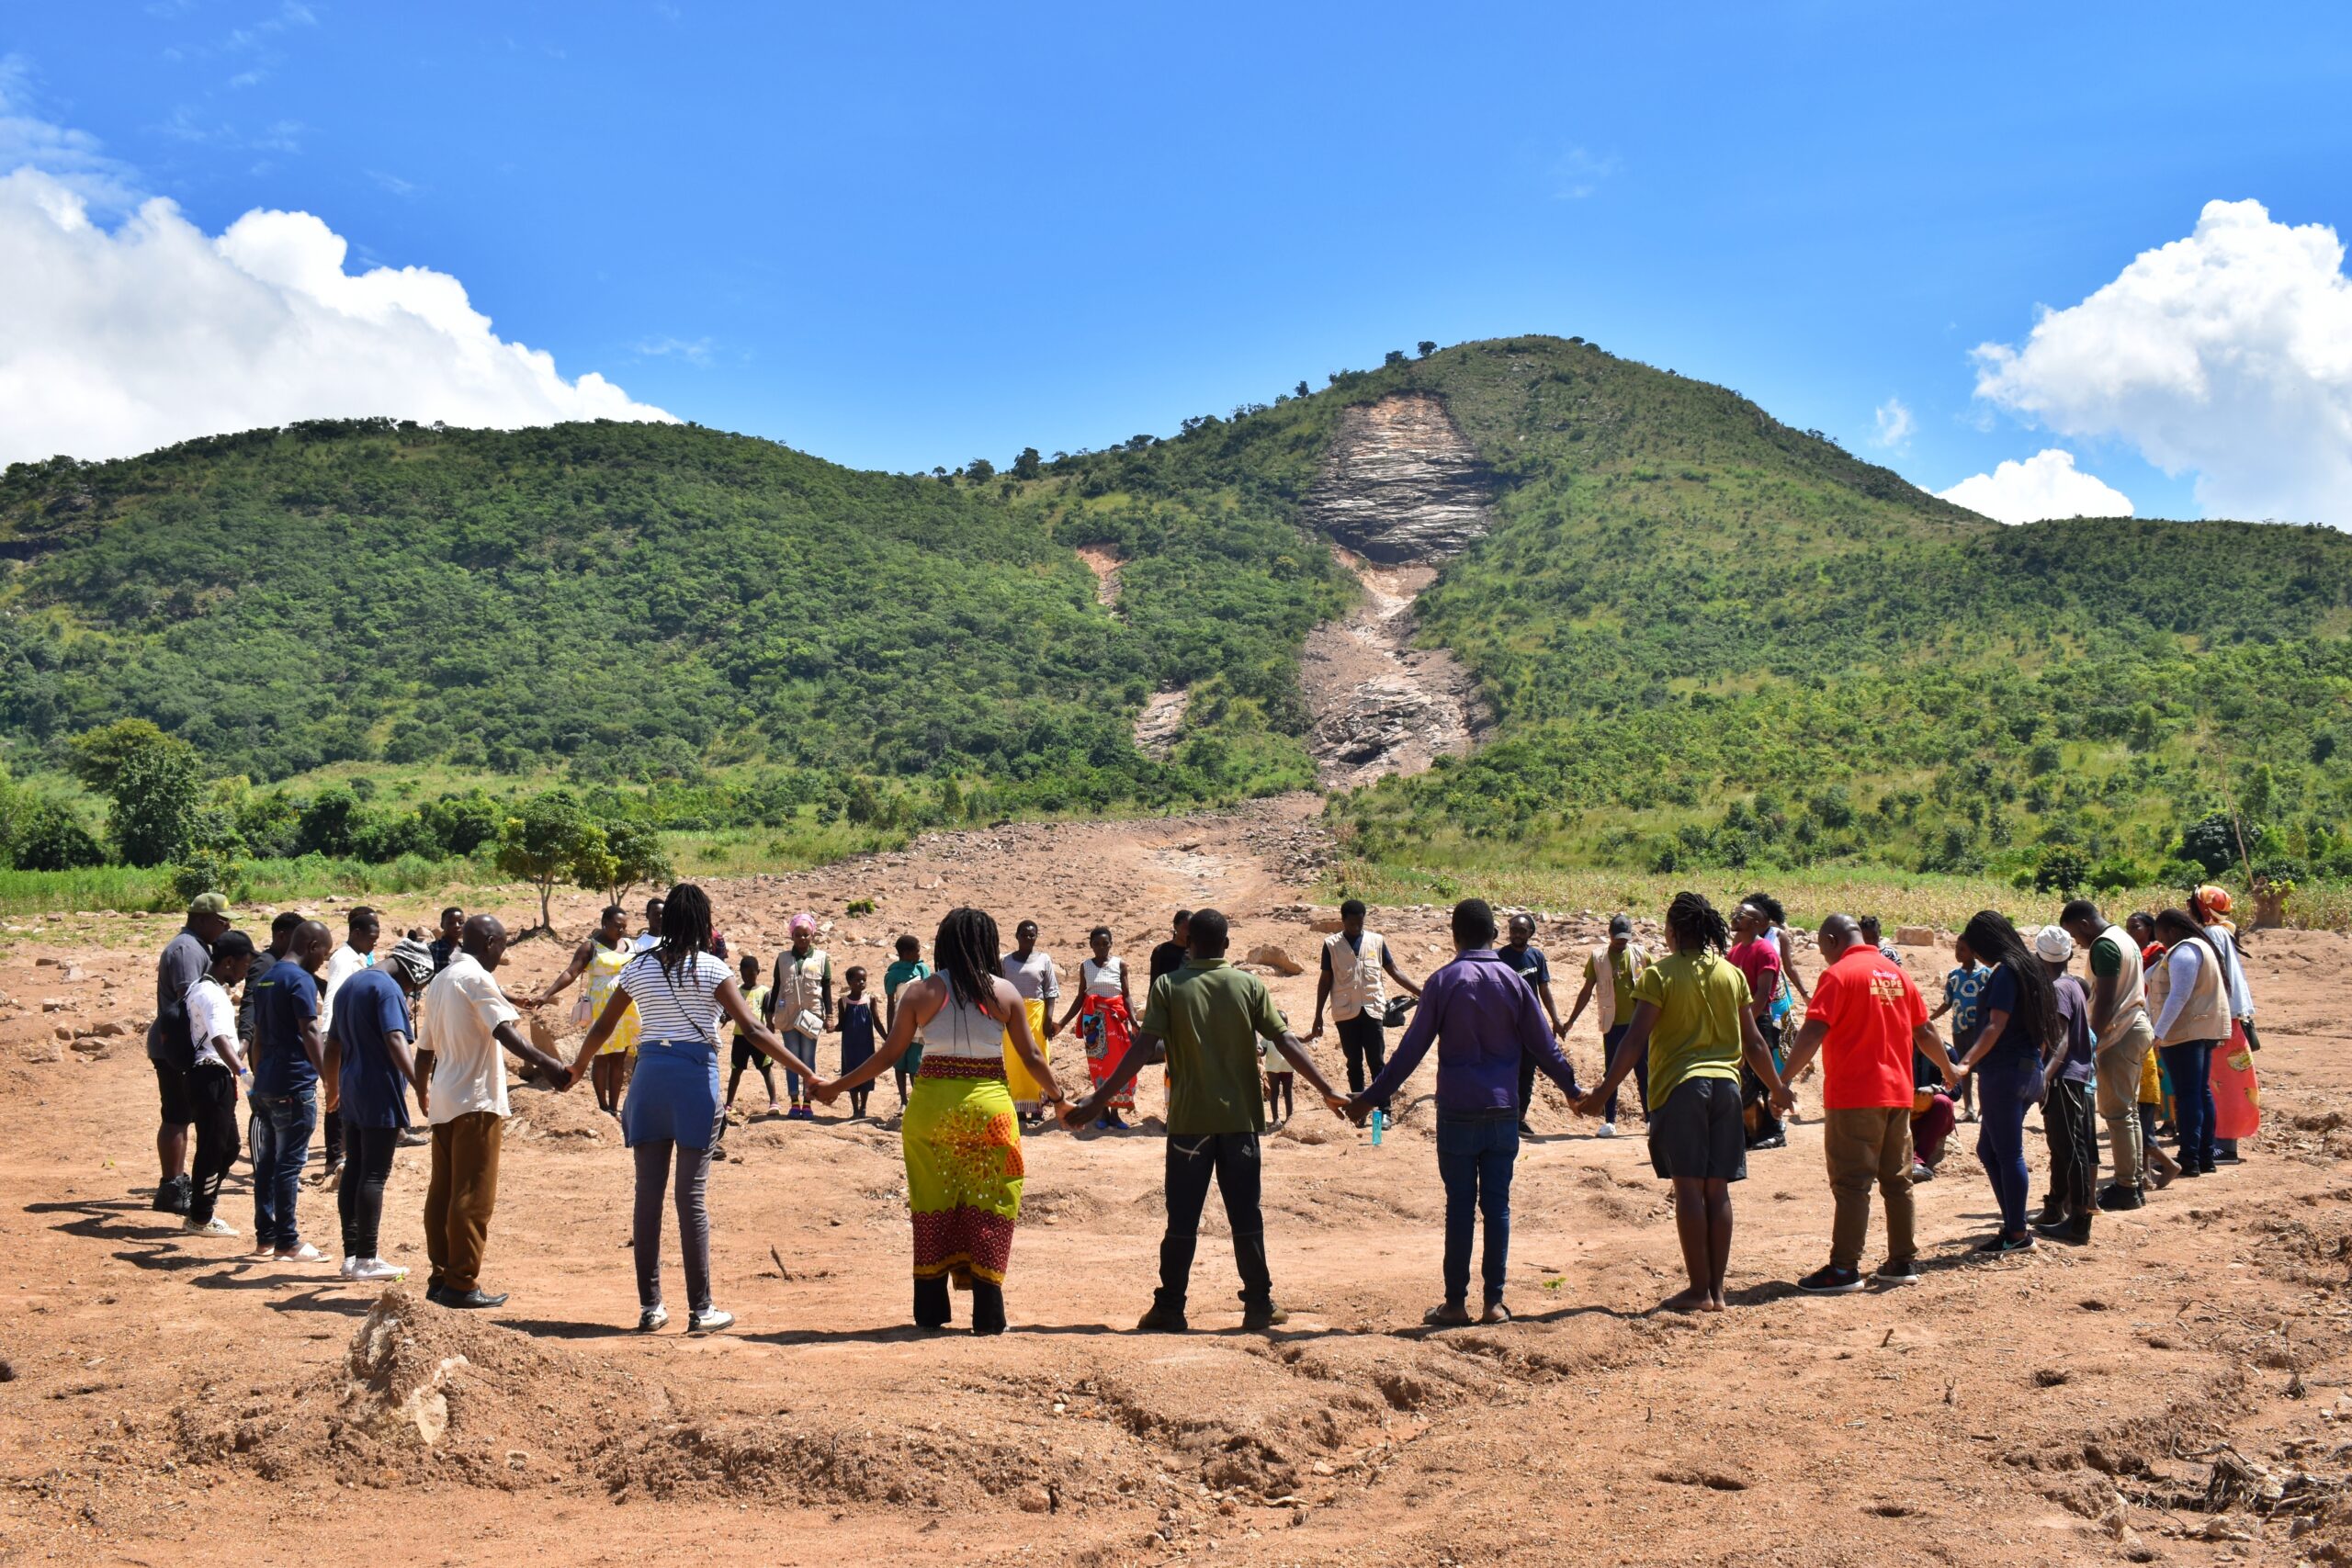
1474 1159
281 1147
804 1047
2008 1082
2190 1065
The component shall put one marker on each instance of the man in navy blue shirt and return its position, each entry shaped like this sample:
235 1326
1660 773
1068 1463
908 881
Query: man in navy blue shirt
288 1055
1484 1020
372 1033
1521 953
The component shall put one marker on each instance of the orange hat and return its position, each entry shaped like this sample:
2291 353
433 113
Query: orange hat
2214 899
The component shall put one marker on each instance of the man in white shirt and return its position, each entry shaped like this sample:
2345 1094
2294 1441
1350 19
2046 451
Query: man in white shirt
466 1020
357 952
213 1081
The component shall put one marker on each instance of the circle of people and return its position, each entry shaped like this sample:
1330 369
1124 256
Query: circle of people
2163 1025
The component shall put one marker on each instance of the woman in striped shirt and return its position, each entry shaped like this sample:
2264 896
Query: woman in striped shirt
681 991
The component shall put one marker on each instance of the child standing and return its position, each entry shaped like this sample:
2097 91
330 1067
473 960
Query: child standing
1963 987
857 1027
908 966
745 1054
1280 1081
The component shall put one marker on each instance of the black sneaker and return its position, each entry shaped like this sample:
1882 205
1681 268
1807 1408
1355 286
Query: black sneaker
1831 1280
172 1196
2073 1231
1898 1271
2002 1246
2118 1200
1161 1320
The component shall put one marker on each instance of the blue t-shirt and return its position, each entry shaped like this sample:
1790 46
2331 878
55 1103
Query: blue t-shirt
2019 1037
367 1007
288 1000
1964 990
1528 962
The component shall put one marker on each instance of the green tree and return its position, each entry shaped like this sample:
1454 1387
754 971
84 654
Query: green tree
980 471
1028 466
1427 346
551 840
1396 357
631 857
158 795
51 838
2061 871
97 756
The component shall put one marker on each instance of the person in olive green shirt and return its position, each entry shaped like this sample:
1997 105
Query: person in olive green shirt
1693 1021
1210 1016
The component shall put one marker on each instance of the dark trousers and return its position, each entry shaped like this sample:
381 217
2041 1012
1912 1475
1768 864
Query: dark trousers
2190 1067
1475 1156
1753 1091
2070 1122
281 1141
1234 1161
2007 1079
1527 1087
335 1142
1367 1044
213 1090
359 1202
692 1191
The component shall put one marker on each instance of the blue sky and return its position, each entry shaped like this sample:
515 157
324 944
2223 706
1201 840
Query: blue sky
901 236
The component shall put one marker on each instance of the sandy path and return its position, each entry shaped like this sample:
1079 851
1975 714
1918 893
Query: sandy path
168 1404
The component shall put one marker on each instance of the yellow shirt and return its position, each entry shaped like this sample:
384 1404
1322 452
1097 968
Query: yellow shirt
1699 997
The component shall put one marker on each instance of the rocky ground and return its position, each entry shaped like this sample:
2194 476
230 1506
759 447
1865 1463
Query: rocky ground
2173 1392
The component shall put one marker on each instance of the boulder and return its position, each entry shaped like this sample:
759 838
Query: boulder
1276 959
1328 925
1915 936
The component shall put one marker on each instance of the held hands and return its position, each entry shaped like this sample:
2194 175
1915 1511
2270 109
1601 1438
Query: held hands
825 1091
1783 1102
1353 1108
1591 1103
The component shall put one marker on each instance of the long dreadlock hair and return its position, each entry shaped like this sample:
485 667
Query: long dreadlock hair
685 931
1994 941
970 953
2183 924
1693 925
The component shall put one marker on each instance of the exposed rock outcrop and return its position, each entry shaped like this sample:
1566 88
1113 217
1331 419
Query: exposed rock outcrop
1401 484
1381 705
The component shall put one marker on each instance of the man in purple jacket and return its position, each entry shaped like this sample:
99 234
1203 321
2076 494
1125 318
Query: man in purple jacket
1484 1019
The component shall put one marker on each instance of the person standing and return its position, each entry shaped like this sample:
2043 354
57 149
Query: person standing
466 1021
650 937
1756 952
2019 1018
1875 934
1356 966
1610 972
1784 947
2192 1005
800 1005
2069 1065
362 930
2237 1100
1209 1016
1964 999
1528 962
2122 1037
599 957
1693 1016
859 1028
171 1049
680 992
907 965
213 1077
1171 955
1040 983
444 945
368 1038
281 942
743 1051
1105 1019
1866 1020
960 1135
290 1053
1482 1014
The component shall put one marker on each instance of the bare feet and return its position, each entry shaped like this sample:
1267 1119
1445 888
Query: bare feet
1716 1302
1695 1299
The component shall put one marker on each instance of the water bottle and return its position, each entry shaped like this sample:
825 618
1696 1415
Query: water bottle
1379 1120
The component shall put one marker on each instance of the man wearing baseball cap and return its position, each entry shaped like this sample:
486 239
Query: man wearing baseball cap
172 1047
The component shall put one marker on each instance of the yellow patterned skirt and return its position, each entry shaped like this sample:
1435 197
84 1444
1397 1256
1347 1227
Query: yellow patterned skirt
962 1142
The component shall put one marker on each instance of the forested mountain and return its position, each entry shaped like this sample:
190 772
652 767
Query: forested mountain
1707 638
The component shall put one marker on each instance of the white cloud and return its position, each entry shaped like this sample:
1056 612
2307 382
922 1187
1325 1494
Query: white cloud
1576 173
2045 485
2227 355
114 342
73 158
1892 423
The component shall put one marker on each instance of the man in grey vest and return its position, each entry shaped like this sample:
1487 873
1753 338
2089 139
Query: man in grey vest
2121 1026
171 1048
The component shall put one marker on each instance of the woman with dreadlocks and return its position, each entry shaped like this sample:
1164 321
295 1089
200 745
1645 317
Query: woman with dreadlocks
679 989
1694 1020
2017 1010
960 1135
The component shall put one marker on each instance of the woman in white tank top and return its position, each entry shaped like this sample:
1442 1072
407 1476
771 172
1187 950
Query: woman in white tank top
1104 1012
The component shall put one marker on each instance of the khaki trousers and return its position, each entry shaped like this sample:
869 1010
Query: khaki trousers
463 1191
1863 1147
2118 1066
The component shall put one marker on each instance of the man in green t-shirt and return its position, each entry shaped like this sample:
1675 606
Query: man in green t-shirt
1210 1016
1694 1020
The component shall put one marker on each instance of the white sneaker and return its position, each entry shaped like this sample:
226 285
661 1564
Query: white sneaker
709 1321
372 1270
216 1225
305 1253
348 1265
1608 1130
651 1319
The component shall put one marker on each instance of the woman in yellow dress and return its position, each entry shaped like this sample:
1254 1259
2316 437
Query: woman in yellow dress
601 958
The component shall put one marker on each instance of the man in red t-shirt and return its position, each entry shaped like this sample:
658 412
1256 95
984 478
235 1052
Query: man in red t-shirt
1866 1020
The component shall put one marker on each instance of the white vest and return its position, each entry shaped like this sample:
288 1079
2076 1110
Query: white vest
1357 983
1604 980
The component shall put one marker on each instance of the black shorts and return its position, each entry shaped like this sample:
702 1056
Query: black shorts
1698 1134
746 1054
177 1094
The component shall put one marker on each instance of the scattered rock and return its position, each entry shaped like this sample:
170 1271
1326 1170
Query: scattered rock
52 1004
1915 936
113 1029
1035 1499
95 1049
62 1031
396 1391
1162 721
1276 959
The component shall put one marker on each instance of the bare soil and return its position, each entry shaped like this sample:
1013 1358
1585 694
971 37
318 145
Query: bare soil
1382 706
2169 1394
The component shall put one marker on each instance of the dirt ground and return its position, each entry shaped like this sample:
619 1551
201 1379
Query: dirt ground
2170 1394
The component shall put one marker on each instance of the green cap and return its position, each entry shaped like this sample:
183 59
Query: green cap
208 904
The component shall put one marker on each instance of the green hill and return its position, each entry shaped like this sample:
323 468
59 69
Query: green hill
1710 640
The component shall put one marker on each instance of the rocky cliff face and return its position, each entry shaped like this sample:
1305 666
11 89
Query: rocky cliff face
1400 486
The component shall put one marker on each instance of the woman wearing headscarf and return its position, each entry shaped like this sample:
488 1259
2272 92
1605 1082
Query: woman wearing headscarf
679 990
960 1135
2192 1008
2019 1014
2238 1101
